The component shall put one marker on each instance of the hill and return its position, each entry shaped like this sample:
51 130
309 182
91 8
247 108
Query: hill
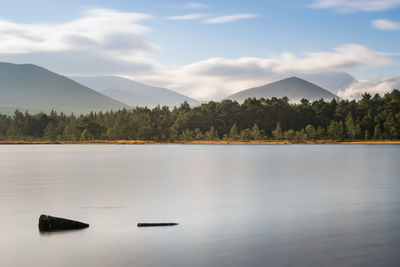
134 93
31 87
294 88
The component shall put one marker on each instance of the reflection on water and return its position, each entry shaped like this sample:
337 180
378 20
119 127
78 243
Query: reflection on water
236 205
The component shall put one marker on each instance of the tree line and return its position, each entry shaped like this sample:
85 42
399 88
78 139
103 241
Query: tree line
370 118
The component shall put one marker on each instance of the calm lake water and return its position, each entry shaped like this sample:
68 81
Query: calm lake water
237 205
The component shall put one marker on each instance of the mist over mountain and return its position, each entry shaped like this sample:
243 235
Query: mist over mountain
134 93
294 88
31 87
28 86
331 81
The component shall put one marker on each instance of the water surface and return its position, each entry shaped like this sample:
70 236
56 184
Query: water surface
237 205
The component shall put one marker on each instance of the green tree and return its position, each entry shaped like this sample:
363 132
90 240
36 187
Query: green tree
353 130
367 135
290 134
377 132
50 132
301 135
212 134
256 133
336 131
392 127
86 135
310 131
277 134
173 134
234 133
245 135
198 135
187 135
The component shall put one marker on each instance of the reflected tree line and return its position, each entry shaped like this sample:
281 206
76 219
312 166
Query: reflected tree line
370 118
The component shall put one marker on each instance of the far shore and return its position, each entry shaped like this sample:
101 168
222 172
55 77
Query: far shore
202 142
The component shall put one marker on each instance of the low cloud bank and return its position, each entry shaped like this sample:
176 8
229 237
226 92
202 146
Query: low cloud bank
378 85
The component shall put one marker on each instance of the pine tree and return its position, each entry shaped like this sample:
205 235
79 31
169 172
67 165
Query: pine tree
367 136
278 133
86 136
245 135
255 133
311 134
212 134
198 135
50 132
353 129
377 132
233 133
187 135
290 135
173 134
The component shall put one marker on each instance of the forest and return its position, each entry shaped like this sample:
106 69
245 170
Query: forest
370 118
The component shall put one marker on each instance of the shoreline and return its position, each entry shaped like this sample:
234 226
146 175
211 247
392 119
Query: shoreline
202 142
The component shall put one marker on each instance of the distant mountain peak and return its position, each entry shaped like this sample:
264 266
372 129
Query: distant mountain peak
134 93
293 78
28 86
292 87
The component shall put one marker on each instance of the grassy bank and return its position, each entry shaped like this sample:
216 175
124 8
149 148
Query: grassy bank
221 142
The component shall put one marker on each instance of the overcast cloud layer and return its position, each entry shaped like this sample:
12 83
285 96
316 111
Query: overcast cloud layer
109 42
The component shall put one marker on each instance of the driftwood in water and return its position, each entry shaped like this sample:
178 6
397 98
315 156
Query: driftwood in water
50 223
155 224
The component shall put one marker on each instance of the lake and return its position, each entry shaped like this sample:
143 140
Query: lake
236 205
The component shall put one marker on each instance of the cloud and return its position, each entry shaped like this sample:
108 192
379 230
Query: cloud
101 41
189 5
344 57
96 29
386 25
378 85
216 78
194 16
356 5
229 18
86 63
109 42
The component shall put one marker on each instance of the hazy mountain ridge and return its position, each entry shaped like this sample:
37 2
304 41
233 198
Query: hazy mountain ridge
294 88
331 81
134 93
31 86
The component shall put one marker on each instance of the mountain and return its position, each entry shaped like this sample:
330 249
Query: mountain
332 81
294 88
31 87
134 93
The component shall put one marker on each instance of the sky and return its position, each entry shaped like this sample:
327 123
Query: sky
208 49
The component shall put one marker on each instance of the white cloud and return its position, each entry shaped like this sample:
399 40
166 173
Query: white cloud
218 77
97 29
356 5
194 16
108 42
189 5
229 18
377 85
386 25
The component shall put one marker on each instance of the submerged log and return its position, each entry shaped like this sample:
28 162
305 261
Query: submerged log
155 224
50 223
